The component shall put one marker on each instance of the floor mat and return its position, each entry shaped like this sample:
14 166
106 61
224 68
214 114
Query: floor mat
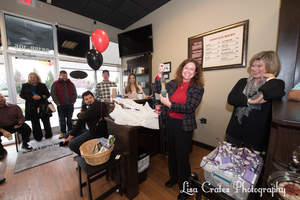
44 151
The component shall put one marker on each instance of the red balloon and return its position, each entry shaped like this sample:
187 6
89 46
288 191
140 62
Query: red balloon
100 40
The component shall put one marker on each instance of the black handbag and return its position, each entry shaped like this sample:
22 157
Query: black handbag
43 110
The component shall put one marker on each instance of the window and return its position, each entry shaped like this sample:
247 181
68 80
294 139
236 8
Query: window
44 68
81 85
72 43
4 91
0 38
88 83
28 35
114 75
30 47
3 80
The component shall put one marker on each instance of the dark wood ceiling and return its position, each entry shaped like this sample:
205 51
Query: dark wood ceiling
117 13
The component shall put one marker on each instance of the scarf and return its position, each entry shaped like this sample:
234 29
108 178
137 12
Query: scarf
251 92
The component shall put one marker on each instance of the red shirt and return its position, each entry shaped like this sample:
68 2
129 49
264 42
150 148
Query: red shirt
179 96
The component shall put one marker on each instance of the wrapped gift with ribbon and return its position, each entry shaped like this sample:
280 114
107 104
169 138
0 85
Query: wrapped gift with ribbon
235 170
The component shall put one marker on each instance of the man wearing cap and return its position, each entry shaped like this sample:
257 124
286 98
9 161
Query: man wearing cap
64 95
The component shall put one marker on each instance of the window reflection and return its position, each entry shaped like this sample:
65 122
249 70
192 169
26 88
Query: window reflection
72 43
28 35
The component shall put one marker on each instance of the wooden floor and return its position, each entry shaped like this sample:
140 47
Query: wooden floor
58 179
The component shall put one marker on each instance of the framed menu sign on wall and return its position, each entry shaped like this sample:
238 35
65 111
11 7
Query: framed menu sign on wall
221 48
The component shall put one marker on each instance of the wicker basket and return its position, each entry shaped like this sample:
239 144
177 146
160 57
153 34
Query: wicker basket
86 150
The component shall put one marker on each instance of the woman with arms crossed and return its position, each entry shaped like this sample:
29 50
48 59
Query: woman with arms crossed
252 97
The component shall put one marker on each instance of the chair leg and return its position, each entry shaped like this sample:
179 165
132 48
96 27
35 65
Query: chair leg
80 183
120 178
108 173
89 187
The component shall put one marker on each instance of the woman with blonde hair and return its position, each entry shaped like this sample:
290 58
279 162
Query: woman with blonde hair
252 98
35 94
184 95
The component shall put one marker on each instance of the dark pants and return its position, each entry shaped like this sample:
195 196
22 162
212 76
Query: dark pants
36 127
24 130
77 141
65 113
179 147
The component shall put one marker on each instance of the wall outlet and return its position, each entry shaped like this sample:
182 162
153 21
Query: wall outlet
203 120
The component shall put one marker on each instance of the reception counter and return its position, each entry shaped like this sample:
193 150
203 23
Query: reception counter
131 138
284 134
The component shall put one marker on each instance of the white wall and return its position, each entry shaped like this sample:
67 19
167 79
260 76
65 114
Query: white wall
52 14
178 20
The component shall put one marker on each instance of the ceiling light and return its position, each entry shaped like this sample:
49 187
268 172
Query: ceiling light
69 44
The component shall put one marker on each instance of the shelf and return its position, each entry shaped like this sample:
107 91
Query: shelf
142 68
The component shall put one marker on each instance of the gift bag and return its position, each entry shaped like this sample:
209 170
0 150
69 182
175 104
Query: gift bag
235 170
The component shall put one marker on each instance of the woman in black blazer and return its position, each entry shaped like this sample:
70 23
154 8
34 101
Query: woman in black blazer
184 95
35 93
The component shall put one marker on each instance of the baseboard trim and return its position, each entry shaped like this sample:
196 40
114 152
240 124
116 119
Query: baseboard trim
202 145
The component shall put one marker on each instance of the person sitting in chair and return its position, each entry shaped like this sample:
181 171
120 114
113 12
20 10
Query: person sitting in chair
12 121
93 116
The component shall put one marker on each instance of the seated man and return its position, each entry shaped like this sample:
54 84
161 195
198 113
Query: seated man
294 94
91 116
12 120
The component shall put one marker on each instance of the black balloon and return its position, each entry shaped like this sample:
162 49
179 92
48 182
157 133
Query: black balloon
94 59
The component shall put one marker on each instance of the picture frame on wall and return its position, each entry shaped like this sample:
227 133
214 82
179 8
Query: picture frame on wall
221 48
167 67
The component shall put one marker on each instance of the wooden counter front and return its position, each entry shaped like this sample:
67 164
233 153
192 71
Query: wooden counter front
284 134
131 138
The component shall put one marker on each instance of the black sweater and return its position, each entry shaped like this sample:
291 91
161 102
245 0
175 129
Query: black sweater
254 130
31 104
91 116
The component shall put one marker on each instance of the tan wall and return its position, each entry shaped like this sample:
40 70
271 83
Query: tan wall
174 22
52 14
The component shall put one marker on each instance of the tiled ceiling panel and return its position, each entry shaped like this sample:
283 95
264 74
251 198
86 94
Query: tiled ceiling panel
117 13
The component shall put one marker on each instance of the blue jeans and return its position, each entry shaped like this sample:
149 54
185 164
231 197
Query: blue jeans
77 141
65 113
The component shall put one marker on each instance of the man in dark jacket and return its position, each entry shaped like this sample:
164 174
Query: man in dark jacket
91 116
64 95
12 121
